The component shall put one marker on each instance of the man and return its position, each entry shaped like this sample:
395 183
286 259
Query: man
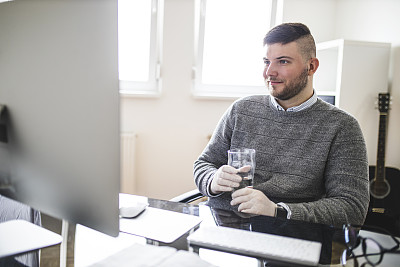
310 156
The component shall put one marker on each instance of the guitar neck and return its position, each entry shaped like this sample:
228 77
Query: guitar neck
380 158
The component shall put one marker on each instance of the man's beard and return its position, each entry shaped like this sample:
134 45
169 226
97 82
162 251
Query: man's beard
293 88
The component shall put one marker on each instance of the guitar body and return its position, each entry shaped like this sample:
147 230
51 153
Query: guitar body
385 212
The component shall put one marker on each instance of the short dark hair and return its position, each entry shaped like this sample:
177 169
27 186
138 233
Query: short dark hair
292 32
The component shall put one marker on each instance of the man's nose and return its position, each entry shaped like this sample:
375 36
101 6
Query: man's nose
270 71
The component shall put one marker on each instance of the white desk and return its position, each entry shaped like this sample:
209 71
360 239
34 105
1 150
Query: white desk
92 246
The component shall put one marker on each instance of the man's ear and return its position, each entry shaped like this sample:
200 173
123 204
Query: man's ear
313 65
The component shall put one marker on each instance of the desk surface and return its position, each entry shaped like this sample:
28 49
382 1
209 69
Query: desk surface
87 251
92 246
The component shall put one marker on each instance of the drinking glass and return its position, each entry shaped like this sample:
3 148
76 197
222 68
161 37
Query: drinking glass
239 158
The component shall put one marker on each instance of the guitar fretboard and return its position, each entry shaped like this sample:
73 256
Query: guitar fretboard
380 159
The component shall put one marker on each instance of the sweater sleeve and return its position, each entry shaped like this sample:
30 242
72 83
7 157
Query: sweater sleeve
346 182
215 153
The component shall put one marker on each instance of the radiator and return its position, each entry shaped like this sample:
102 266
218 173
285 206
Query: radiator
128 183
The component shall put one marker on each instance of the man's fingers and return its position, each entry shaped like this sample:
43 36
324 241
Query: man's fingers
239 199
246 207
228 169
221 188
244 168
227 181
242 192
230 177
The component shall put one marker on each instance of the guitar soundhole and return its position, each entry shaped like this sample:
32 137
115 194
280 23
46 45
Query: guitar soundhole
379 189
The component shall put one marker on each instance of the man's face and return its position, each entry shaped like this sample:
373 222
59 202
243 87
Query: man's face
285 72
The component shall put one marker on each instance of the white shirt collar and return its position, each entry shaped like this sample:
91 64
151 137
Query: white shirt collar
311 101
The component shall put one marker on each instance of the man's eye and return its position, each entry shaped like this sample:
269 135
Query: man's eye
266 62
283 61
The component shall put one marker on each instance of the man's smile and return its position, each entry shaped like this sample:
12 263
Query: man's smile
273 81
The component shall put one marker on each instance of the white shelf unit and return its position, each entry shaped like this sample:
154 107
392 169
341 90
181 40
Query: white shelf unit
354 72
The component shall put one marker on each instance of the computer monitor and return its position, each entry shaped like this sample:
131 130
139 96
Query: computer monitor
59 83
328 98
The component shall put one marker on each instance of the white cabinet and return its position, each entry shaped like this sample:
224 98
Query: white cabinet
354 72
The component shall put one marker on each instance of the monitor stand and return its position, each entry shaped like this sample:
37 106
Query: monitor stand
67 248
21 236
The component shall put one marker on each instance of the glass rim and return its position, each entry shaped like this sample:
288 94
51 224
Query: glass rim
239 150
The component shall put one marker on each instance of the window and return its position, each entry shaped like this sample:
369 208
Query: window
229 48
139 31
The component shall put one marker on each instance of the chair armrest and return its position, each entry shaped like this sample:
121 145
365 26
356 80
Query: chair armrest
188 197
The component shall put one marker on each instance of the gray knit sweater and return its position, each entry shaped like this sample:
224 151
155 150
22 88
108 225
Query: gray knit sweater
313 160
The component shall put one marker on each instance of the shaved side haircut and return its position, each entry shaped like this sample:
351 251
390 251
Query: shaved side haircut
293 32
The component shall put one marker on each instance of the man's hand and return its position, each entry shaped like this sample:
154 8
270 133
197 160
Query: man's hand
226 179
253 201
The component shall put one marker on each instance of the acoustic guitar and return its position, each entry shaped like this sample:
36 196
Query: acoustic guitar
384 209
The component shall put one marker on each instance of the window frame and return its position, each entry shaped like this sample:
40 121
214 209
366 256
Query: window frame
201 90
152 87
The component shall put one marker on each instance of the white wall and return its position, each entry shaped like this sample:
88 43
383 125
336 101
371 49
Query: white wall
172 130
318 15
